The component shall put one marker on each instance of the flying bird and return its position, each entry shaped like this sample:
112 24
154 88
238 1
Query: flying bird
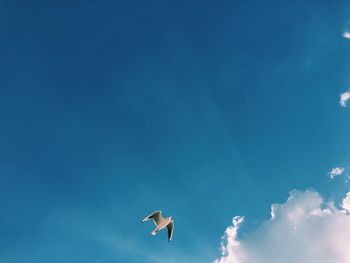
161 223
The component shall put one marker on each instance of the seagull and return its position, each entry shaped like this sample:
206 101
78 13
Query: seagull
161 223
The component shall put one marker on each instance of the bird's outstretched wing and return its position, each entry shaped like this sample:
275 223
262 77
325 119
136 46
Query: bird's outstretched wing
157 217
170 228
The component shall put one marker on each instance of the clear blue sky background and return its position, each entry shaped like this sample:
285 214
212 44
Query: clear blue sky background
112 109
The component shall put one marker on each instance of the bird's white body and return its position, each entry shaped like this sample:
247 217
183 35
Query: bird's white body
161 223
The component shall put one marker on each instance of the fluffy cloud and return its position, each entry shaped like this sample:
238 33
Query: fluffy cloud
304 229
344 97
346 203
346 35
335 172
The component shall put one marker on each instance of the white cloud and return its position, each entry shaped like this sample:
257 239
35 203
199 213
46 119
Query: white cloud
346 203
335 172
344 97
230 246
304 229
346 35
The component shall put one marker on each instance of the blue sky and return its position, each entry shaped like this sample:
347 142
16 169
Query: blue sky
111 110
